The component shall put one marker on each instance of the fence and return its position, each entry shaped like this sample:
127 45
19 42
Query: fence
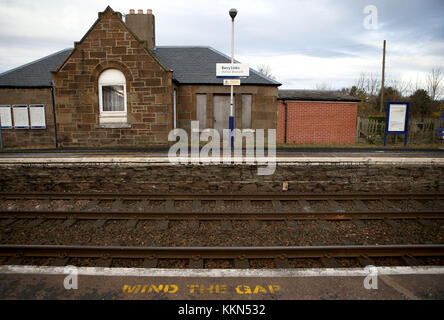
421 130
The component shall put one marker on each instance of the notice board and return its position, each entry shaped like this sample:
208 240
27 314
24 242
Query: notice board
5 117
397 120
21 118
397 117
37 116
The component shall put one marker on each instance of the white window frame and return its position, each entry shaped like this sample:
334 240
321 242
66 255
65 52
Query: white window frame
112 77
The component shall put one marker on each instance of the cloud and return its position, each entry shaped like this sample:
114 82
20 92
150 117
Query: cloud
305 42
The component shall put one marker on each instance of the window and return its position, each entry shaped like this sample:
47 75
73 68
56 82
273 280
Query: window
112 97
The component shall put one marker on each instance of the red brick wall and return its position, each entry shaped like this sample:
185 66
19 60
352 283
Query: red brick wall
318 122
109 44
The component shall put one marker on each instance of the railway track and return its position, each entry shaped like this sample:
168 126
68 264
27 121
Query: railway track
103 207
240 255
231 215
276 212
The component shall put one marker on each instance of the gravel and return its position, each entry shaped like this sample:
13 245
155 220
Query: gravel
211 233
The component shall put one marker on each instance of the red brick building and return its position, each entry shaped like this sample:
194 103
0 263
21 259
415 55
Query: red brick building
321 117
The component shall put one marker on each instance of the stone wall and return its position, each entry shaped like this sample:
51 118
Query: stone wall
110 45
263 107
29 138
158 178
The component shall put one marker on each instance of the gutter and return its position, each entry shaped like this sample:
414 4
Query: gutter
319 99
23 87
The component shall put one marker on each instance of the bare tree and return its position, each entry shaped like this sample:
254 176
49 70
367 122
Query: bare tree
368 83
323 86
404 87
360 82
418 84
434 85
373 84
265 70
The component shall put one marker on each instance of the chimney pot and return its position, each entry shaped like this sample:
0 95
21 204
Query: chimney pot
149 11
143 26
132 11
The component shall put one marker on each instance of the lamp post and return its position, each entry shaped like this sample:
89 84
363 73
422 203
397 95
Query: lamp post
233 13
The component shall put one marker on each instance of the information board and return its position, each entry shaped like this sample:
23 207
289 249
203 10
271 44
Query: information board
397 117
5 117
21 118
37 116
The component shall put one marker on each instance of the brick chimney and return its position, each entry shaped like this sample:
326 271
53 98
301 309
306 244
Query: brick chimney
143 25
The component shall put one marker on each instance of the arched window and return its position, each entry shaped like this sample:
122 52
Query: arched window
112 97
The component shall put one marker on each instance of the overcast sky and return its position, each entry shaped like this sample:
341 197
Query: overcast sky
306 43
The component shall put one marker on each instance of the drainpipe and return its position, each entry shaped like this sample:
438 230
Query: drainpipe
1 135
174 108
286 117
54 114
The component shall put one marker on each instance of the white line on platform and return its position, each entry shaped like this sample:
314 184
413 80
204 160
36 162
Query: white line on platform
212 161
218 273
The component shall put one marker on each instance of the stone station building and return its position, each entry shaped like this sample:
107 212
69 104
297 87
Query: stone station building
116 88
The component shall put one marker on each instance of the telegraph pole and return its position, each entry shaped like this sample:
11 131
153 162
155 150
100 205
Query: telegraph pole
382 81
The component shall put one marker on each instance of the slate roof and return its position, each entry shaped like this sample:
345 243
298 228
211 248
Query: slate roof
36 73
315 95
190 65
197 65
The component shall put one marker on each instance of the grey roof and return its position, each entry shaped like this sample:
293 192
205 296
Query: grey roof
315 95
36 73
190 65
197 65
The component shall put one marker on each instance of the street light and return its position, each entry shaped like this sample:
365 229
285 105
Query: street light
233 13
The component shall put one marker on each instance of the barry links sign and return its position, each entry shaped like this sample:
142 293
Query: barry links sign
235 70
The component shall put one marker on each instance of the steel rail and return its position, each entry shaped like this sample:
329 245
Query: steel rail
218 196
355 251
228 215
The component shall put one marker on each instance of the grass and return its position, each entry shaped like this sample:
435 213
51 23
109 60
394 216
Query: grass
377 145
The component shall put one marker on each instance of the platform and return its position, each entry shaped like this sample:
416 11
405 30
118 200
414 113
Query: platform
303 156
411 283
